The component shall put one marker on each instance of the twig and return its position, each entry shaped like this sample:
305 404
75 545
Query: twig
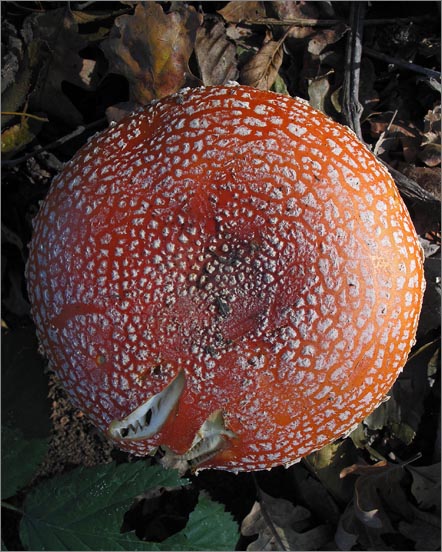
40 149
298 22
351 107
85 5
8 506
26 8
267 517
402 63
24 115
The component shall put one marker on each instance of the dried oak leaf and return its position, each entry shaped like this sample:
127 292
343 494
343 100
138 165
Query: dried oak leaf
381 512
262 69
54 39
293 525
237 11
215 53
152 49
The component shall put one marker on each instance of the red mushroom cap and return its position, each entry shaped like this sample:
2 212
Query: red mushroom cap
227 273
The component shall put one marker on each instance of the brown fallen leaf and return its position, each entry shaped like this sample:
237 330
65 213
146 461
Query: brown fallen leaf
261 70
397 134
429 178
292 524
237 11
286 10
430 154
321 39
152 48
215 53
381 514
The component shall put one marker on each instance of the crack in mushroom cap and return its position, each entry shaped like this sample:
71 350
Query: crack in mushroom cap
245 239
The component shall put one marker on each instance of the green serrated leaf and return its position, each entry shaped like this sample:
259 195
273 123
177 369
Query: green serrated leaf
20 458
210 527
84 509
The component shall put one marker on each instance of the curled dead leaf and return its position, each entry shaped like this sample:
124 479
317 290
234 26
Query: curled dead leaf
261 70
430 154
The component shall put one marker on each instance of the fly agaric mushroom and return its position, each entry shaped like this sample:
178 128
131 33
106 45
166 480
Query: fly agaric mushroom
226 273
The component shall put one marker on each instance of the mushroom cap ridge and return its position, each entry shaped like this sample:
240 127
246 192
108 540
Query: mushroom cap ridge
244 238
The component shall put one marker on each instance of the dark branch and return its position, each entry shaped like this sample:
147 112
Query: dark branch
63 139
402 64
351 107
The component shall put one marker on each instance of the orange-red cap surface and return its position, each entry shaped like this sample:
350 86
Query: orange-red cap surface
228 273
